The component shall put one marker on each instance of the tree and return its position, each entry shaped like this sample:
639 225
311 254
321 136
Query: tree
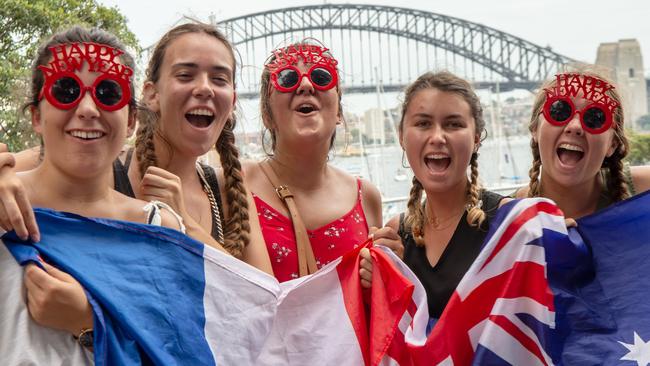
639 148
24 24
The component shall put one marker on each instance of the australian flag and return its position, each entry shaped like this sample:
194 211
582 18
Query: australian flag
539 294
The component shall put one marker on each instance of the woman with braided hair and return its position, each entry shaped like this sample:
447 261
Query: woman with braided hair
448 212
188 102
578 138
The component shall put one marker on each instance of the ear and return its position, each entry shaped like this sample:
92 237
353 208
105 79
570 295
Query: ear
151 96
130 128
234 100
36 119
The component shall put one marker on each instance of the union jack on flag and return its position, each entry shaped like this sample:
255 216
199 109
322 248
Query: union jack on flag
502 312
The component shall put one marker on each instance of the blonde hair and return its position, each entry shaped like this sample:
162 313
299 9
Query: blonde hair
237 229
446 82
612 167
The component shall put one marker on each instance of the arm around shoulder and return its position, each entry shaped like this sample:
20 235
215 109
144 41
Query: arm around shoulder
640 178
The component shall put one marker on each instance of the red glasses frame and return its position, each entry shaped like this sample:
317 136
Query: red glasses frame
546 110
330 85
49 83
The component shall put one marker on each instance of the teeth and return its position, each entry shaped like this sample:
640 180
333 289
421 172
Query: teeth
201 112
86 134
571 147
306 105
437 156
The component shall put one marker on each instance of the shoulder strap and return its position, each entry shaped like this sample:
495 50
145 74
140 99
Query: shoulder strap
628 179
152 210
306 259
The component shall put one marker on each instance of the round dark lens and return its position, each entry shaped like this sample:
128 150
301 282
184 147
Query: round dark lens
108 92
321 76
287 78
560 110
66 90
594 118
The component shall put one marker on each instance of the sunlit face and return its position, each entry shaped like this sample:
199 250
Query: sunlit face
195 93
439 137
306 115
571 156
84 140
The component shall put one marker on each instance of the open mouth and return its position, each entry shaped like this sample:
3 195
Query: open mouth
437 162
87 135
570 154
200 117
306 108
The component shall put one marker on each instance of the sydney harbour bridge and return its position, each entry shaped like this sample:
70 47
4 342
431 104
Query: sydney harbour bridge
389 46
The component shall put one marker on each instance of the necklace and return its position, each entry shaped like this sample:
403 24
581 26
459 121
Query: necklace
216 216
441 224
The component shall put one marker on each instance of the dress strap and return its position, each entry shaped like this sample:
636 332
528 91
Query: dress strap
152 210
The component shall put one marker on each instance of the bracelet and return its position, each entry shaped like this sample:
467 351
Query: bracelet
85 337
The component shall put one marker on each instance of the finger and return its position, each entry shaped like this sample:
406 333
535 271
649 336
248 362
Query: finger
3 147
365 283
366 264
387 232
57 273
7 159
160 172
570 222
364 253
365 275
35 278
4 219
15 217
157 181
372 230
27 212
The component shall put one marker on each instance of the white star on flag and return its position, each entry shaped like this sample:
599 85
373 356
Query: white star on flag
639 351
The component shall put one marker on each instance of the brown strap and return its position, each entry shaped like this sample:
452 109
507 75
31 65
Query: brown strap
306 259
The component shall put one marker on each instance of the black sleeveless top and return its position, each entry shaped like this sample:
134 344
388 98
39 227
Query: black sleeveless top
123 185
440 281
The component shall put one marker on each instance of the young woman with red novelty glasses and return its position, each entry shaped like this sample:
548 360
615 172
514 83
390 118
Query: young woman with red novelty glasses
300 102
82 135
189 96
578 144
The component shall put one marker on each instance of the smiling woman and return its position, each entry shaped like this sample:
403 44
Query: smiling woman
324 212
578 137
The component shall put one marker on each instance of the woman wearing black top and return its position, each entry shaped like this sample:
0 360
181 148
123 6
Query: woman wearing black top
442 232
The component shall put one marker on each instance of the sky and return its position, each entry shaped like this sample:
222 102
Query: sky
573 28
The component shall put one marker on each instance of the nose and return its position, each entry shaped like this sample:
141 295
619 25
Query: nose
437 135
203 87
574 126
305 85
87 109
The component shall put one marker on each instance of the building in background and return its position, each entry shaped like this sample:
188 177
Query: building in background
625 59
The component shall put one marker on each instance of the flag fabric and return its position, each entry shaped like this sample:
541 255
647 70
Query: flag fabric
162 298
536 295
606 309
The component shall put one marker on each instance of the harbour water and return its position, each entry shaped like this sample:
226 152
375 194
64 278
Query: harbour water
503 164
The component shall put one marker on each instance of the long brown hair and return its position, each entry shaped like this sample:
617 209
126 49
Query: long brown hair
446 82
237 230
612 167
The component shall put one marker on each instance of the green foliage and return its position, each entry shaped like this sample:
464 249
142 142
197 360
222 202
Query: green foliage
24 24
639 148
644 122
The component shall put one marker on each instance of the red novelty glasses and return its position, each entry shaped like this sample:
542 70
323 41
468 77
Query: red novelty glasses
109 92
595 117
287 79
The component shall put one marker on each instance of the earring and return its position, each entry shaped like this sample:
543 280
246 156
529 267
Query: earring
404 165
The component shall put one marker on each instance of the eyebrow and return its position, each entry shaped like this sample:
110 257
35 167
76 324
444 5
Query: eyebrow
193 65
